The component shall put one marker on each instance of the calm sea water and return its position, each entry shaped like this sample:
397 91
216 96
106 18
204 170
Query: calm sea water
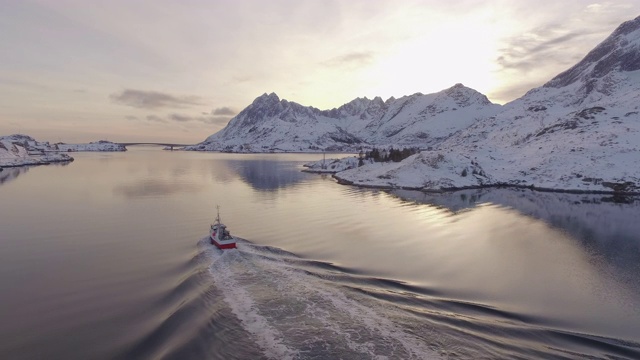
106 258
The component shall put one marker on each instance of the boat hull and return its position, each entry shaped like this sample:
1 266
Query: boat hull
228 243
224 245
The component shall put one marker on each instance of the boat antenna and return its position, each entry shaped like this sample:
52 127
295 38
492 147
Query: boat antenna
218 217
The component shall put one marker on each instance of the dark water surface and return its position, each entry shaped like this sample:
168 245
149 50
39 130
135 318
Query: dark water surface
105 258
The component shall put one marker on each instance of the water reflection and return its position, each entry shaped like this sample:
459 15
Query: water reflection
264 174
8 174
605 226
154 188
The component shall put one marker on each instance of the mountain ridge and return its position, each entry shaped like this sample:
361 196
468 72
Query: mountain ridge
606 57
419 120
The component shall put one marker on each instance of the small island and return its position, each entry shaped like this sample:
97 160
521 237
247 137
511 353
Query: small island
22 150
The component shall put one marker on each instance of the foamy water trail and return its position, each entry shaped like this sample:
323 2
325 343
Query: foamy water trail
358 316
296 315
243 306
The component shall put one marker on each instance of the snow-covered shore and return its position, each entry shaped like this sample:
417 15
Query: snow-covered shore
331 166
22 150
16 155
423 171
433 171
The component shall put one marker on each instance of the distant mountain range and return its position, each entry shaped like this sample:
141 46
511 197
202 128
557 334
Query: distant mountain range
270 124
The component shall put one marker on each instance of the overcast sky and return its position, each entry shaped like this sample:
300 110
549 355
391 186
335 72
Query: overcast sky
161 70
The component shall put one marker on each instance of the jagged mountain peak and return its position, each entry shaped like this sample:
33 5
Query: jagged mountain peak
618 52
265 98
275 103
465 96
356 107
270 105
459 88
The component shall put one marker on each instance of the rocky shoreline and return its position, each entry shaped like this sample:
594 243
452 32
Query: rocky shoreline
34 161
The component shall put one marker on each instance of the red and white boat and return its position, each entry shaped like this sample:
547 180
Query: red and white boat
220 236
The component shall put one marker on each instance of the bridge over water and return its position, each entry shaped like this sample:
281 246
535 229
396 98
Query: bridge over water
155 143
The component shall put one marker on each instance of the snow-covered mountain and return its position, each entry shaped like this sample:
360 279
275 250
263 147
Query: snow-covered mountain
579 131
271 124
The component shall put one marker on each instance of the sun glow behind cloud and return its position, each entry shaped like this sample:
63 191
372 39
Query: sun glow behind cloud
428 63
411 49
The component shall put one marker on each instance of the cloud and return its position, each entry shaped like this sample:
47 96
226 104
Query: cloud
512 91
242 79
609 7
529 51
223 111
181 118
562 41
156 118
352 59
206 119
23 83
594 8
131 117
153 99
217 120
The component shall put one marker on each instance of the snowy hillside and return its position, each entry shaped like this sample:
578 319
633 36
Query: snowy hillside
580 131
271 124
